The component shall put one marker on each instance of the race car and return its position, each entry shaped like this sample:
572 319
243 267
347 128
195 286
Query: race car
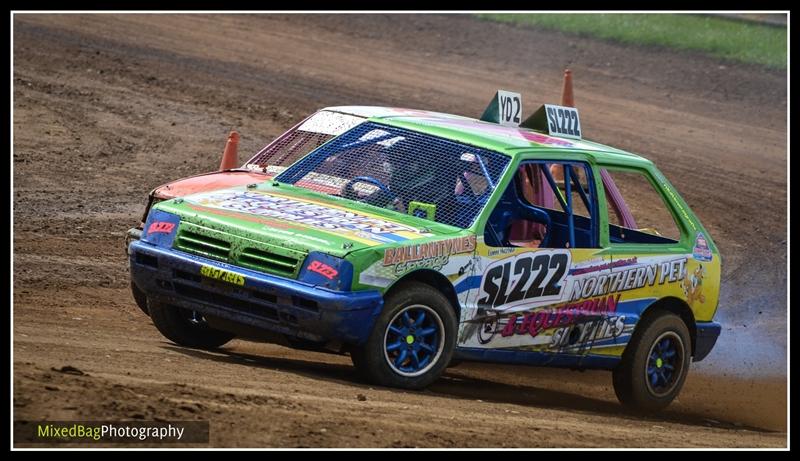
290 146
409 239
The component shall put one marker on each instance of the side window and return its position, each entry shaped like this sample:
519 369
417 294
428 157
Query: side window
640 215
579 207
540 209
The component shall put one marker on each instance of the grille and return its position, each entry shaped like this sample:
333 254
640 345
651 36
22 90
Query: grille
406 171
193 242
241 305
147 260
266 258
270 262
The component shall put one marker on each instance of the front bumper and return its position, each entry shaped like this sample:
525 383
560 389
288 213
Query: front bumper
132 235
263 301
707 334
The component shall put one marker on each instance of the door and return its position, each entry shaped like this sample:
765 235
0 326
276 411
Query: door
542 281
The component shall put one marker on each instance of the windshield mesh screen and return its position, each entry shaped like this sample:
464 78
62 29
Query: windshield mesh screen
302 139
285 151
406 171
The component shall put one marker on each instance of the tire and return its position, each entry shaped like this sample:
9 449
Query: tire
430 338
643 380
305 344
140 298
185 327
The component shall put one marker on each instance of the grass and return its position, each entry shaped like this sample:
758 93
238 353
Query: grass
719 37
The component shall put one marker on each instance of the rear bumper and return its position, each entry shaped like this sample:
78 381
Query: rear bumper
707 334
263 301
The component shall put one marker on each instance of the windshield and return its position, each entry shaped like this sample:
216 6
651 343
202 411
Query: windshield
305 137
409 172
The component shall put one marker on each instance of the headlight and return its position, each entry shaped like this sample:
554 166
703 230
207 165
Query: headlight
327 271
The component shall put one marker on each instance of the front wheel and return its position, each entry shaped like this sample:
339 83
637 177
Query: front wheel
186 327
655 363
140 298
412 341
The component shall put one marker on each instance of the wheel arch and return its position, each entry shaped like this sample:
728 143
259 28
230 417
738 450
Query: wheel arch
678 307
433 279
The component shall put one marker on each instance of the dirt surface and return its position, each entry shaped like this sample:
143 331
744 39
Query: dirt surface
108 106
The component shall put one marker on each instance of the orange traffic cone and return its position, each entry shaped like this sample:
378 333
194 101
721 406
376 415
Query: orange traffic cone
230 157
567 98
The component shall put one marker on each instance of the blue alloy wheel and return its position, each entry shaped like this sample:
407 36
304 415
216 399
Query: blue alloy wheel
414 340
664 363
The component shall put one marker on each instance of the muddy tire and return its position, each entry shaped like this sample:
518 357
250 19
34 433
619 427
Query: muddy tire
412 341
305 344
186 328
140 298
655 363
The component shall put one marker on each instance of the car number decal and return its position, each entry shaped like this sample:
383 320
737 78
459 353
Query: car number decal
525 278
563 121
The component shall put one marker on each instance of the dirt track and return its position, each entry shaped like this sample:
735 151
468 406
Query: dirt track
107 107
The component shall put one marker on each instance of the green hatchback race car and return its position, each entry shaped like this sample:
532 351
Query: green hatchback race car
410 239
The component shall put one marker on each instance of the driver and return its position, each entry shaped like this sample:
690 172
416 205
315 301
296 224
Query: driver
410 179
412 176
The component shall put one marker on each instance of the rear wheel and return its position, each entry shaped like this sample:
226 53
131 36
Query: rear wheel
412 341
655 363
186 327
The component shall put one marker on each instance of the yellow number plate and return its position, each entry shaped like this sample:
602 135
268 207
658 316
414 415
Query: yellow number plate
223 275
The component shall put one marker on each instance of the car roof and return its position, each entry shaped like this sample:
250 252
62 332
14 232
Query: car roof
509 140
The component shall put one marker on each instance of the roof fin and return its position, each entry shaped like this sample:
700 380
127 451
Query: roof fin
505 108
560 120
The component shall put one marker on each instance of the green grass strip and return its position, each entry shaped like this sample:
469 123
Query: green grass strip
742 41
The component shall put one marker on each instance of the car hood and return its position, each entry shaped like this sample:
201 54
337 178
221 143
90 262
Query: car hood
300 219
207 182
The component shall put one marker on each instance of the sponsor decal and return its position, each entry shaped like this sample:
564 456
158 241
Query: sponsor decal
500 251
488 329
323 269
602 267
309 214
474 262
330 123
555 306
693 285
432 255
585 334
272 223
160 227
572 327
677 204
544 139
635 277
701 252
534 323
223 275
